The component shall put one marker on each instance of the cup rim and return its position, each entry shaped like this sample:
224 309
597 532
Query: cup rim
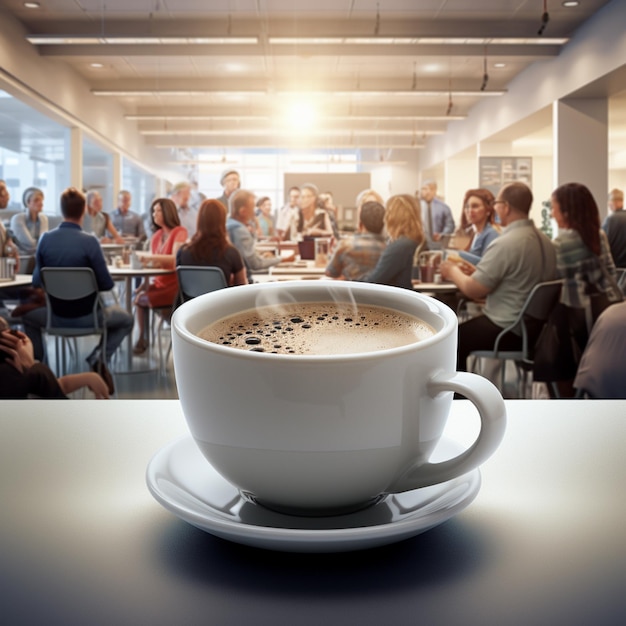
190 308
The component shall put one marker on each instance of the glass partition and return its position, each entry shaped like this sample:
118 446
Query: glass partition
98 172
33 153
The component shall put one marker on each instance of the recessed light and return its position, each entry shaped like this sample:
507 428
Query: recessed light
31 5
570 3
499 65
96 66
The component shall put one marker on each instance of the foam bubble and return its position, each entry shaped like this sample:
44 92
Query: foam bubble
317 328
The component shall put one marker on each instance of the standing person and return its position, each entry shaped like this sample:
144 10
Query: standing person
356 256
127 222
265 223
210 245
68 246
231 182
242 209
28 227
161 291
97 222
404 227
480 215
615 227
437 217
288 214
512 265
188 216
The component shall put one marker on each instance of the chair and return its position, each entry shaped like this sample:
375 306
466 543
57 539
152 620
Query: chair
74 287
621 278
194 280
538 306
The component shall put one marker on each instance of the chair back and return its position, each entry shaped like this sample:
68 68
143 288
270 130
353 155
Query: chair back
195 280
71 292
621 279
542 299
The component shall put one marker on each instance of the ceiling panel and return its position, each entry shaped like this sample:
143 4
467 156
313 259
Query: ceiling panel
344 73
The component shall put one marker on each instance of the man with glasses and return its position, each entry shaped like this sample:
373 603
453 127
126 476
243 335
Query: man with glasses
230 181
510 267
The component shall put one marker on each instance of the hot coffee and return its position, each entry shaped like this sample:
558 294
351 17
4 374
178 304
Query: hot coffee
317 328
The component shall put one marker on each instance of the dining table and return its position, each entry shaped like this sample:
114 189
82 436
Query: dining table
127 273
19 280
83 541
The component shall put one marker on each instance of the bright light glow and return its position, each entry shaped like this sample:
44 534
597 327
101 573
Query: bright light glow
570 3
245 116
499 65
96 66
31 5
301 115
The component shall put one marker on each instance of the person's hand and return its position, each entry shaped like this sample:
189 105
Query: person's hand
19 349
119 239
96 383
288 259
436 236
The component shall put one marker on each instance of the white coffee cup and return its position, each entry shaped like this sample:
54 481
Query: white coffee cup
327 433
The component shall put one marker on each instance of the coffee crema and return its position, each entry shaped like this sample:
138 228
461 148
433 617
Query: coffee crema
317 328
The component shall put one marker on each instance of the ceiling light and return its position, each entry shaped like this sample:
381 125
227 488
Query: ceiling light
31 5
570 3
345 118
499 65
51 40
96 66
189 93
452 41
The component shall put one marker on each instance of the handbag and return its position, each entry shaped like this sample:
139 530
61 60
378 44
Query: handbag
557 352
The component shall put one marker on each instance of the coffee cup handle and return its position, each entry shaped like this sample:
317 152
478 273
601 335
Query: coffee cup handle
487 399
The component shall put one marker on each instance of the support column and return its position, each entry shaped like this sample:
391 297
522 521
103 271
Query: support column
117 176
76 157
581 145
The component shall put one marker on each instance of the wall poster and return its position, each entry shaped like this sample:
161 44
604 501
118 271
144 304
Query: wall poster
498 171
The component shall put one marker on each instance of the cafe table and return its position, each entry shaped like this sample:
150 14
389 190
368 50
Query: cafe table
127 273
83 542
19 280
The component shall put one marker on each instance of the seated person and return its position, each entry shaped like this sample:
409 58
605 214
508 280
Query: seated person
602 369
242 209
480 215
161 291
210 246
264 220
68 246
512 265
127 222
28 227
356 256
22 377
404 227
99 223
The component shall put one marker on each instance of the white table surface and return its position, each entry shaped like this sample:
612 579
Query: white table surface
19 280
83 542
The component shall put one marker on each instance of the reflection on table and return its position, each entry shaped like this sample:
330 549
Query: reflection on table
83 541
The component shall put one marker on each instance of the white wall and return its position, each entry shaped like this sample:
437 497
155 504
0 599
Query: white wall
597 49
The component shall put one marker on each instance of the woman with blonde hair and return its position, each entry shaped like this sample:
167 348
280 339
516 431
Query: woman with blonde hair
403 222
27 227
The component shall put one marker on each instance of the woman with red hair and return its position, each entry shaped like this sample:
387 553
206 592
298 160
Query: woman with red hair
210 245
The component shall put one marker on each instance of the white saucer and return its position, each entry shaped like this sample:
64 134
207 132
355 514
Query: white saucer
185 483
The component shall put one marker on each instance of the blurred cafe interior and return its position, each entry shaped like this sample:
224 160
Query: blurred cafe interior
140 96
396 142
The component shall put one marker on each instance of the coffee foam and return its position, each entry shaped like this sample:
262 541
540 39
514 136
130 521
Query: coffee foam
317 328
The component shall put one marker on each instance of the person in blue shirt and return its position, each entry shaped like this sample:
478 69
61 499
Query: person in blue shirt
69 246
480 216
437 217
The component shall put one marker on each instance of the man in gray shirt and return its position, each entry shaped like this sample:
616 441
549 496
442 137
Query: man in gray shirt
127 222
242 208
510 267
615 227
